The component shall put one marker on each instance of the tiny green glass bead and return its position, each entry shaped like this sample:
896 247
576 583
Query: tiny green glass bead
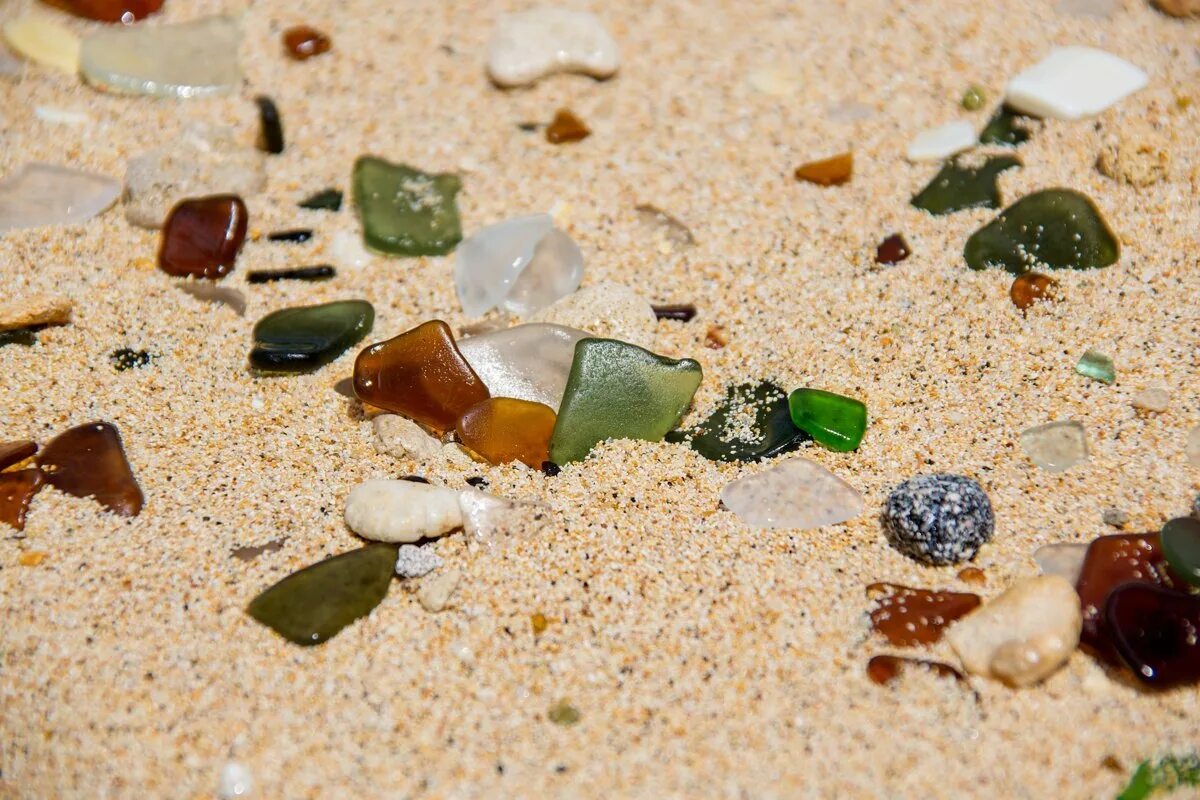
973 99
1181 547
1097 366
834 421
404 211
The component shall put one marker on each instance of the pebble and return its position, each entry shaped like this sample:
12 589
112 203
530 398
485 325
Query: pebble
401 511
435 593
348 250
89 461
526 362
1154 400
235 781
1022 636
1115 517
413 561
35 310
530 45
606 309
795 493
1073 82
202 236
942 142
1055 446
42 40
181 60
938 519
1137 154
401 437
204 160
523 265
38 195
1064 559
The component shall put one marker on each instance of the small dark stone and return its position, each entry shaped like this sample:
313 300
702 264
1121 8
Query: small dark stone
683 312
528 127
1115 517
22 336
892 250
271 139
938 519
294 236
478 481
325 200
550 468
125 358
250 553
319 273
414 479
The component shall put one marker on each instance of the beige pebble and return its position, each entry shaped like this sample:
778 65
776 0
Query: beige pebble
36 310
401 437
434 594
1136 154
401 511
1153 400
1179 8
1023 635
530 45
608 310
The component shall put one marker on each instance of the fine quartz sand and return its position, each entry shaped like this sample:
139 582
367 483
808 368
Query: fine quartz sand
706 658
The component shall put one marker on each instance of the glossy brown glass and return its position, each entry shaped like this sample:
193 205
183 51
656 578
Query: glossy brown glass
16 491
202 236
909 617
89 461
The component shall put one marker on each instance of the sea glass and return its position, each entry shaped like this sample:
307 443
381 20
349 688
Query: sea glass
1110 562
1055 446
421 374
302 42
44 41
832 420
324 200
833 171
503 429
17 489
89 461
617 390
751 423
1005 128
1097 366
522 264
1156 632
527 362
202 236
962 184
566 127
1032 287
270 133
908 617
1181 547
1056 228
321 272
796 493
892 250
404 211
15 452
38 195
885 669
304 339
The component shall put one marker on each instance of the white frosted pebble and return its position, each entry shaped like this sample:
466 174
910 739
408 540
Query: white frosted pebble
530 45
60 116
1074 82
434 594
942 142
401 511
401 437
44 41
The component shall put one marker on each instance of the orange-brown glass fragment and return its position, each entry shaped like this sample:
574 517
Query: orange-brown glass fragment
566 127
303 42
16 491
89 461
502 429
1032 287
109 10
15 452
420 374
202 236
828 171
909 617
885 669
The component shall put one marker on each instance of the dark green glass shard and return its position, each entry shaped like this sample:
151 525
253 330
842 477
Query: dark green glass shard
958 186
753 422
314 604
303 339
1006 127
1056 228
404 211
327 200
1181 547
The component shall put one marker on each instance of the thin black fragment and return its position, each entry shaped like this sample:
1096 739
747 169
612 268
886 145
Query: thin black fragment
550 468
271 139
478 481
295 236
683 312
322 272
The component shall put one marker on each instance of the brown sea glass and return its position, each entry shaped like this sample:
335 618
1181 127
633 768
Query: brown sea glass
909 617
16 491
566 127
16 452
885 669
202 236
502 429
1032 287
303 42
89 461
828 171
1156 632
109 10
420 374
892 250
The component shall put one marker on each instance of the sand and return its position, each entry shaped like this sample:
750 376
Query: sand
706 658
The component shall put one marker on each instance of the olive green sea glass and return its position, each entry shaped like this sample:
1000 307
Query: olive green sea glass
957 186
1057 228
753 422
406 212
834 421
304 339
324 200
1097 366
1181 547
1004 128
314 604
617 390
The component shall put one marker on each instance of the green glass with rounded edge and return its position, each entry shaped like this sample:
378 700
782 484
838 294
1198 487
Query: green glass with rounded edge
306 338
1056 228
833 420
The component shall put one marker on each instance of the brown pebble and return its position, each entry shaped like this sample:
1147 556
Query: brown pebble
36 310
1033 287
828 171
539 623
715 338
303 42
1179 8
566 128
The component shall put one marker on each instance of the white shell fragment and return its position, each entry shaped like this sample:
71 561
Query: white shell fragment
530 45
401 511
60 116
942 142
528 362
413 561
44 41
796 493
1074 82
522 264
187 59
45 194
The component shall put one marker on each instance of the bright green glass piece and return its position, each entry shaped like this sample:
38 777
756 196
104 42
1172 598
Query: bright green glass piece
406 212
832 420
1181 547
617 390
753 422
1004 128
957 186
295 340
314 604
1097 366
1057 228
1162 778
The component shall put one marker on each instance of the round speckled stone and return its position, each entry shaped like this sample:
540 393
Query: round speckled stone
938 519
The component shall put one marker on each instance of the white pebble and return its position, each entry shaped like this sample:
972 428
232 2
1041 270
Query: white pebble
414 562
401 511
434 594
532 44
942 142
401 437
1074 82
235 781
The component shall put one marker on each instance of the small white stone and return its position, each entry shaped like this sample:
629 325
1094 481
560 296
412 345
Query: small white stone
1023 635
1074 82
44 194
775 81
942 142
1155 400
401 511
1063 559
413 561
60 116
434 594
608 310
530 45
796 493
235 781
401 437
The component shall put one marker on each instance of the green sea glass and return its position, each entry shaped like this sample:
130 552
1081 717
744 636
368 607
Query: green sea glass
1004 128
404 211
617 390
1181 547
753 422
324 200
834 421
1057 228
304 339
314 604
1097 366
957 186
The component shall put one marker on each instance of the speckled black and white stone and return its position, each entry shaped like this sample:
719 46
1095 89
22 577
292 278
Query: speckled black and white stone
938 519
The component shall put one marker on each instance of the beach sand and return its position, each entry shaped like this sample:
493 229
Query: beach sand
706 658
